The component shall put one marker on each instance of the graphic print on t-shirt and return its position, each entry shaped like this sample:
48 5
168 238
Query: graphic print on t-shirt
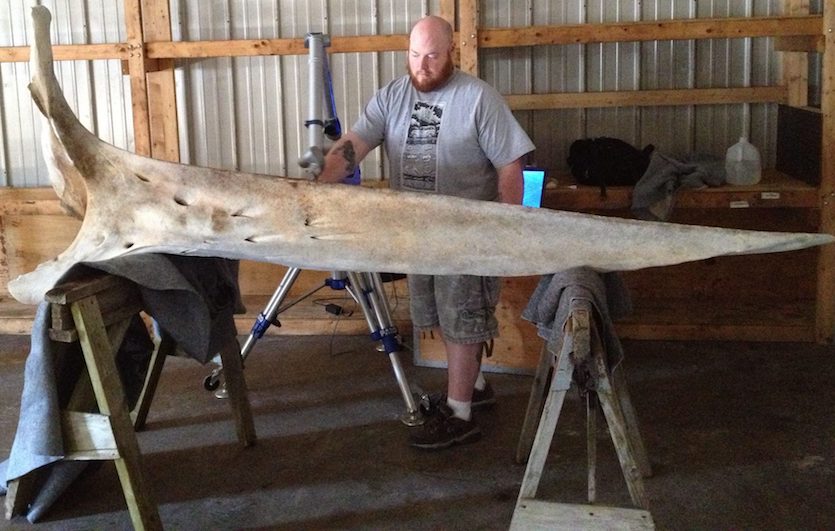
420 154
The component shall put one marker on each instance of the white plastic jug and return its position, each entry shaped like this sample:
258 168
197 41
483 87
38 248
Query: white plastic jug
742 163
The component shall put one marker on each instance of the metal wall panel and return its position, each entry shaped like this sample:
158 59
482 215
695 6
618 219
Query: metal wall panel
677 131
248 113
96 90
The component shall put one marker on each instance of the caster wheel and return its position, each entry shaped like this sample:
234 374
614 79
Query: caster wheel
211 383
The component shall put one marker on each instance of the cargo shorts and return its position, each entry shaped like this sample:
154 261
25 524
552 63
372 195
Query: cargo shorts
463 306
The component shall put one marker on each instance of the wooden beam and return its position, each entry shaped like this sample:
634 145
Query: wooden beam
643 98
808 26
162 99
468 36
796 64
256 47
138 81
649 31
447 11
68 52
29 201
825 310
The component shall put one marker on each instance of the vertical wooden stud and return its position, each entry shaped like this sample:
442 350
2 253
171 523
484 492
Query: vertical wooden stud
447 11
138 82
151 81
162 101
825 310
468 36
796 64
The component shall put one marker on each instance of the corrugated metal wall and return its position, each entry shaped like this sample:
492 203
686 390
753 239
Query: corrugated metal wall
96 90
247 113
674 130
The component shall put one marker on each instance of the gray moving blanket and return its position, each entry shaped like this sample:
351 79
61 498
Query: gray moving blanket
194 299
654 195
549 306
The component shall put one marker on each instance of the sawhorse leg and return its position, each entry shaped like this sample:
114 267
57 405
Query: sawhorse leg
164 349
101 364
535 401
635 439
618 428
560 384
235 384
238 396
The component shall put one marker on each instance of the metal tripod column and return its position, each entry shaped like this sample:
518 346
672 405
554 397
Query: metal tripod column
313 160
369 294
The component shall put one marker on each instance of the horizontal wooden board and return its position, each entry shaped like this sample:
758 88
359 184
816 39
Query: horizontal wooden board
539 515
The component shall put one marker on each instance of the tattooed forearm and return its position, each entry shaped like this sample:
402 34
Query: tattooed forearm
350 157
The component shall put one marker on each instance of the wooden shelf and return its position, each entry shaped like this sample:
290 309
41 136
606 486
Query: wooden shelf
776 190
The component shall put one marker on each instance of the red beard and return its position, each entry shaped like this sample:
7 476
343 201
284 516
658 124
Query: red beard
428 85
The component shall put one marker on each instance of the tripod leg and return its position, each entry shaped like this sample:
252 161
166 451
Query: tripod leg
262 322
369 293
267 317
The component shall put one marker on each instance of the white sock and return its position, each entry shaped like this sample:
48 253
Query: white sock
459 409
480 382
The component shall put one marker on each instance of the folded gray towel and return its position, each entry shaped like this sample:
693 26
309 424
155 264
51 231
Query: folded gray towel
654 195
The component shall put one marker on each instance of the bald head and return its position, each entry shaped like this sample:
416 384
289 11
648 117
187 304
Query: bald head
430 53
432 28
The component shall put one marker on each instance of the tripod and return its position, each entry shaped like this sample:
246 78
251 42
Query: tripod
368 292
365 288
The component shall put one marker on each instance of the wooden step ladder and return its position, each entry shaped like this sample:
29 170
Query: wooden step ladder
96 423
538 432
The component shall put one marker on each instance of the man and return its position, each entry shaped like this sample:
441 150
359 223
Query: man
445 132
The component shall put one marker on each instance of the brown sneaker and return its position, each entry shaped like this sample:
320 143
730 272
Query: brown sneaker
442 430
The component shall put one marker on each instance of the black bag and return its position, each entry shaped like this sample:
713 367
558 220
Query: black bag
606 161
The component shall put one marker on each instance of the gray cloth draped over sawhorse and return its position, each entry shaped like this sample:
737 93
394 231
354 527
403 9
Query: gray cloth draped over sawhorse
193 299
548 307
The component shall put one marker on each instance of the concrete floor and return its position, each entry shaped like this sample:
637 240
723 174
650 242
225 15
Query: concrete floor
741 436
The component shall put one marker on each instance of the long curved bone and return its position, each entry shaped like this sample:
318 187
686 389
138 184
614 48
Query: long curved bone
133 204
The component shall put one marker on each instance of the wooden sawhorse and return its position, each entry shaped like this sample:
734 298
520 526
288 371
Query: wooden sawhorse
96 312
611 392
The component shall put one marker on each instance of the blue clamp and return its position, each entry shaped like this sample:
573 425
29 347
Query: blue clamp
336 283
389 338
261 325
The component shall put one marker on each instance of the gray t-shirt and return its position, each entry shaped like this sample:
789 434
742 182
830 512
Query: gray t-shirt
449 141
